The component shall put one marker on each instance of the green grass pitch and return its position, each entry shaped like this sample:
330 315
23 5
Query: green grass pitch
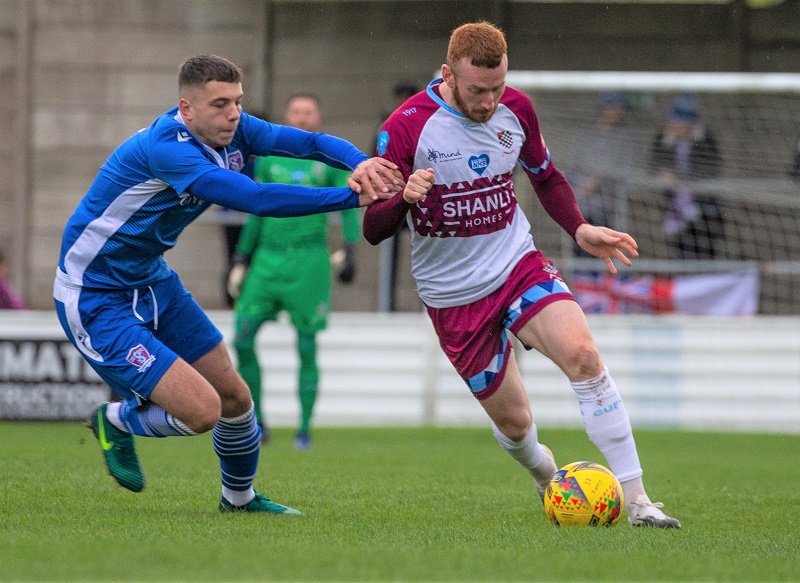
390 504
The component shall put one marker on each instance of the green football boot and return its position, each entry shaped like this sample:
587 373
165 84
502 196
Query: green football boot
259 504
119 451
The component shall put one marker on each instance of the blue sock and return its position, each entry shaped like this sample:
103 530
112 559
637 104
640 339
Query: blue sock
237 442
149 420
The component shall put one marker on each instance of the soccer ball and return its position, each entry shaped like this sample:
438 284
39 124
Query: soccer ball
584 494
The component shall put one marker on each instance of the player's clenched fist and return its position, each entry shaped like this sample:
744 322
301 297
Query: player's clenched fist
418 186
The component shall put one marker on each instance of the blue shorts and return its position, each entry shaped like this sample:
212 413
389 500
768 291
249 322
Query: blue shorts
132 336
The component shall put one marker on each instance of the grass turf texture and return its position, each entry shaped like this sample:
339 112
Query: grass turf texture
392 504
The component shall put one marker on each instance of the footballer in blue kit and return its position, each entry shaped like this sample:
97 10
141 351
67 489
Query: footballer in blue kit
128 313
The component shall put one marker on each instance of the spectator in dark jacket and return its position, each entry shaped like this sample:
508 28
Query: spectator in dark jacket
686 150
794 173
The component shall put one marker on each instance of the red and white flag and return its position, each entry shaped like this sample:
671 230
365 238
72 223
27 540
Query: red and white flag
716 294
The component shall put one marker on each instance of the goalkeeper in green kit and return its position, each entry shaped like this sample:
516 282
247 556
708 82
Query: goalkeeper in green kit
282 264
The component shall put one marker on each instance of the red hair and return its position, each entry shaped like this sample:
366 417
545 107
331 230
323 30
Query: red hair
481 42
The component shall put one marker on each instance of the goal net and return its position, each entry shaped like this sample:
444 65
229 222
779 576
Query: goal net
703 171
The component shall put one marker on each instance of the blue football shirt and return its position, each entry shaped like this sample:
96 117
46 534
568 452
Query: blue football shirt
138 204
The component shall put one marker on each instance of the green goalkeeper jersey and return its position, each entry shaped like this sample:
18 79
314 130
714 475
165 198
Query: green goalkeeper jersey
282 234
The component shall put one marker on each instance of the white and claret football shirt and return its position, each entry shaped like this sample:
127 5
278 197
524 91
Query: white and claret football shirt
469 232
161 178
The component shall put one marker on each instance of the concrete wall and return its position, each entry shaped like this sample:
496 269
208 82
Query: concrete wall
675 372
81 75
727 374
100 71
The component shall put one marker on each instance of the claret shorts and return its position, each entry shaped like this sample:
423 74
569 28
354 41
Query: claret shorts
475 336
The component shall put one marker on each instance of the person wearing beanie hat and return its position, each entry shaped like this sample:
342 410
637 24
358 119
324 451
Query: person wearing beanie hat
685 108
686 150
611 99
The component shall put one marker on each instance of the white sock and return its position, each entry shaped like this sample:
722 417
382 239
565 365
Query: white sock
238 497
112 414
608 426
527 452
633 490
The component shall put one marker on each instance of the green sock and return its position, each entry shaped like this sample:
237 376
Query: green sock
308 378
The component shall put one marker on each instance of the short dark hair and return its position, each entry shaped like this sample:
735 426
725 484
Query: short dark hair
199 70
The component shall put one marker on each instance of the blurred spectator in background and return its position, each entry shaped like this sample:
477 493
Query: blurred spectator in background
603 156
287 268
686 150
390 249
9 298
794 172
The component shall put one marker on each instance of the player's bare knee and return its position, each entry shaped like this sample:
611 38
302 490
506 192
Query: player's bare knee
236 400
516 426
206 416
516 432
584 362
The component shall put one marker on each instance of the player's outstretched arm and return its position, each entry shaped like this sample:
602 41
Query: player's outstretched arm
385 218
376 178
607 244
236 191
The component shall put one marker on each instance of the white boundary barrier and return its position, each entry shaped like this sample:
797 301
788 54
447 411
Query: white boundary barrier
739 374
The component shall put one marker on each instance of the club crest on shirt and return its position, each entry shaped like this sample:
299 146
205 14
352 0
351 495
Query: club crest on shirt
139 357
235 161
505 138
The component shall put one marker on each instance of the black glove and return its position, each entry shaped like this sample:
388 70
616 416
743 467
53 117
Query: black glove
348 271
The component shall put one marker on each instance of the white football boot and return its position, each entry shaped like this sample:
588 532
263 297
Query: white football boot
642 512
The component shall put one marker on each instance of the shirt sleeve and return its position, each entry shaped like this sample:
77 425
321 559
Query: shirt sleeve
385 218
558 200
336 152
552 189
396 143
234 191
178 163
